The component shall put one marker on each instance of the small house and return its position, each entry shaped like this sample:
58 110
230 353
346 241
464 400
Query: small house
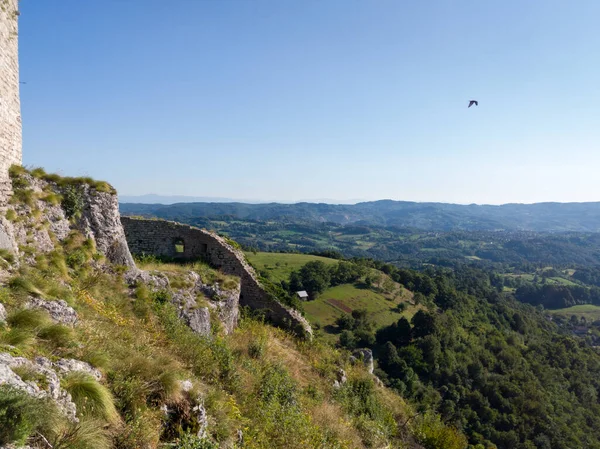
302 295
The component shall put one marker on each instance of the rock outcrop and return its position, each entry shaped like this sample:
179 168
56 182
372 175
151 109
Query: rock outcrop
44 368
59 311
195 300
101 221
39 219
365 355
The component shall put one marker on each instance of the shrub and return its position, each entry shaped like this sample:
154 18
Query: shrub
72 201
256 348
21 415
191 441
432 433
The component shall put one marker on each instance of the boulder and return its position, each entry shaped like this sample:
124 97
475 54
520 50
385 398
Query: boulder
59 310
43 366
366 356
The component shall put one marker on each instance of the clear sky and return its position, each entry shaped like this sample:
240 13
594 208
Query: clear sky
307 99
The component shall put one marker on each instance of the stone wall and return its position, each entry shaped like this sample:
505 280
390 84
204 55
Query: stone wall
10 106
175 240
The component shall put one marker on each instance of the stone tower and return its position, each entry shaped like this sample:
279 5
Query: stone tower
10 105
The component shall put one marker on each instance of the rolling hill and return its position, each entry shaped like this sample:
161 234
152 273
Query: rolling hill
539 217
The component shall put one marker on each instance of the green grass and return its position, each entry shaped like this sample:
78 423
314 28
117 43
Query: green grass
561 281
341 299
589 311
280 265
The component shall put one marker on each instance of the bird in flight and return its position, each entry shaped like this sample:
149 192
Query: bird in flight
473 102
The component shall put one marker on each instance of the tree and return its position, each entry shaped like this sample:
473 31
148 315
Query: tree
347 339
424 323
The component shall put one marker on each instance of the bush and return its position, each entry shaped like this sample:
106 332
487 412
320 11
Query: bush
72 201
21 415
190 441
432 433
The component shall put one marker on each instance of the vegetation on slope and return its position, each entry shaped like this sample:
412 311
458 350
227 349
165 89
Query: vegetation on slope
260 387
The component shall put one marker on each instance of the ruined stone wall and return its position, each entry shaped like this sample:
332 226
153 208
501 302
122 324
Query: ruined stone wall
10 105
159 238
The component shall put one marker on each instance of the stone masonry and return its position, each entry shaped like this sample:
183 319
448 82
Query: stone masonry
164 239
10 105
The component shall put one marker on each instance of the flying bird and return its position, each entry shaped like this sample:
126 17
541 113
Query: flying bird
473 102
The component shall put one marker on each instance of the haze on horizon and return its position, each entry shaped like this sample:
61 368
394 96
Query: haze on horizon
342 99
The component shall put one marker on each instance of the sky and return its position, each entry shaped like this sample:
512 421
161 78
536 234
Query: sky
289 100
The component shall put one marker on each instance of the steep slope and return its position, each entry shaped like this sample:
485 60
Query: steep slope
98 354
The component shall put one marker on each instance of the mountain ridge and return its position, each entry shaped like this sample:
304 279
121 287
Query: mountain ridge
539 217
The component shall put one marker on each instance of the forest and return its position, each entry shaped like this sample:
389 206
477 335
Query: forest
499 370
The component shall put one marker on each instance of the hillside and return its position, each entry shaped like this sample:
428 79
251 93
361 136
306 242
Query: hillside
96 352
508 374
540 217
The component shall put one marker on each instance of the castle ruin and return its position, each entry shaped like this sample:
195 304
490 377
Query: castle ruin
10 104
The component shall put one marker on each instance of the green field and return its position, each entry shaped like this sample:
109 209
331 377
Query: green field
588 311
341 299
335 301
280 265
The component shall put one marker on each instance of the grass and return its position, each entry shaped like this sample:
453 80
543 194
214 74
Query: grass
280 265
341 299
90 397
276 388
588 311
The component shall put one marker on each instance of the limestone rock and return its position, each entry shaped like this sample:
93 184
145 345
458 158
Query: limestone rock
341 379
2 313
59 310
197 318
28 230
100 219
202 418
43 366
186 385
366 356
225 301
66 366
154 280
7 240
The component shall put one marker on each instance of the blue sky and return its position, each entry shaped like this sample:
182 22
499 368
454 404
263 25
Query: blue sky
307 99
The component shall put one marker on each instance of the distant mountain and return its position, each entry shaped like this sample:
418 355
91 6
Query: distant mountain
153 198
552 217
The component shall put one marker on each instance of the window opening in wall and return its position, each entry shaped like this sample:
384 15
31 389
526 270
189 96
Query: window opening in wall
179 246
203 248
